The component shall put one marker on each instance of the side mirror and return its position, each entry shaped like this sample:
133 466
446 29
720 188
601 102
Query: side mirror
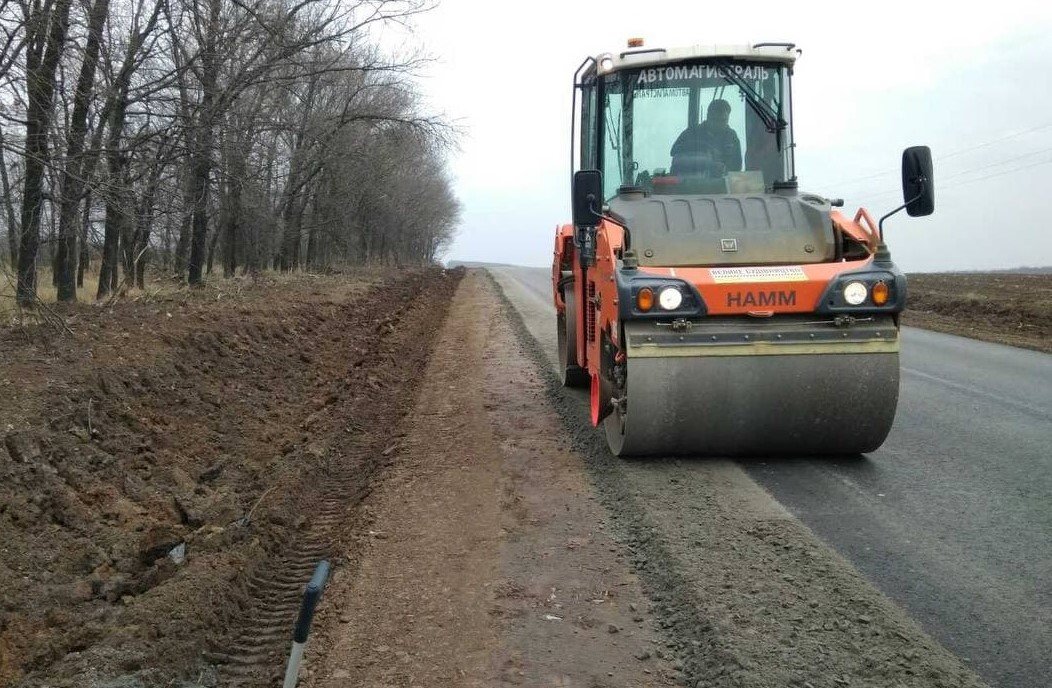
587 197
918 188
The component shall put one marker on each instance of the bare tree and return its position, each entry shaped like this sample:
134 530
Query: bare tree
73 171
255 132
47 26
118 193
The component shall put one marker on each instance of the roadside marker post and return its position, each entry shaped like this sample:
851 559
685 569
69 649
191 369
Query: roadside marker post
311 596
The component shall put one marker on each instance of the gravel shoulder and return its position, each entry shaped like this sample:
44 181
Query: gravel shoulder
487 557
746 594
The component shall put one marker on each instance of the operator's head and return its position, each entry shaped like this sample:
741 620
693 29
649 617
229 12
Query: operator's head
719 111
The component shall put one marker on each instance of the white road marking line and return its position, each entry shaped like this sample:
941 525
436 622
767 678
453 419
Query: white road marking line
970 389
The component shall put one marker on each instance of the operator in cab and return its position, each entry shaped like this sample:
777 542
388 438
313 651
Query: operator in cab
709 148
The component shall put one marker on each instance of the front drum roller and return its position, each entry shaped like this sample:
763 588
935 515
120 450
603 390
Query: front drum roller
570 374
800 404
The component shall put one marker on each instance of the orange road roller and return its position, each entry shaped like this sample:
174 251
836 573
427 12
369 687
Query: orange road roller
711 306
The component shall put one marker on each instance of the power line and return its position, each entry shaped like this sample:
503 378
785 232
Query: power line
990 143
952 154
996 164
998 174
1019 168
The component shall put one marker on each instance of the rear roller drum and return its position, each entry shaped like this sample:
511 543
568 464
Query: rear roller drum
571 374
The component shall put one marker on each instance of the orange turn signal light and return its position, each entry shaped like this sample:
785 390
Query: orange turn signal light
880 293
645 299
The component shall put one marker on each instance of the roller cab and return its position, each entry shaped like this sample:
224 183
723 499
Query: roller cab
710 306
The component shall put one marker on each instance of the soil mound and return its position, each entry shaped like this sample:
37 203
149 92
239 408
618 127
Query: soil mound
169 450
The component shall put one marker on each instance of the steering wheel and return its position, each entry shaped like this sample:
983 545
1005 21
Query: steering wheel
702 161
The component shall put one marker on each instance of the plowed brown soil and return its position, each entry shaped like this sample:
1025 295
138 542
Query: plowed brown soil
1006 308
204 420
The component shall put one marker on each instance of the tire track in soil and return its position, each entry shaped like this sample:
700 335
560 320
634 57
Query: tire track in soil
276 593
254 654
744 599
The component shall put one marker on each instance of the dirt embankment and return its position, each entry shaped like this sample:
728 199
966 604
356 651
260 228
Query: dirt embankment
159 462
1006 308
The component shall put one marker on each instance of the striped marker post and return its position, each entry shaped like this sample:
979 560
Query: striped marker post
311 595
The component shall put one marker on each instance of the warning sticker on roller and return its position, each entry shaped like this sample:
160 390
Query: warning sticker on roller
774 273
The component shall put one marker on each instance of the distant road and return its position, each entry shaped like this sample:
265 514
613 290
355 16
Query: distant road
952 517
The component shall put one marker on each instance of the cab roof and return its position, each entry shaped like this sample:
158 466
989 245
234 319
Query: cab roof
645 56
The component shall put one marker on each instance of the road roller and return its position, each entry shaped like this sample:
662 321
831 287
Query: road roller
710 306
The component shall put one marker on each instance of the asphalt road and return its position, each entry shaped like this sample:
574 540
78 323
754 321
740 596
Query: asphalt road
952 517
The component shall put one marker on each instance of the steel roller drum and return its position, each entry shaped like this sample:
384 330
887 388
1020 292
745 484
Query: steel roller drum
748 405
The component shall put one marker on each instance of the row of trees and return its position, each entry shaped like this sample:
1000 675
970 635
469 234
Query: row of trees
192 134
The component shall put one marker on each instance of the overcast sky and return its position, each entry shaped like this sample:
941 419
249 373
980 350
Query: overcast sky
873 78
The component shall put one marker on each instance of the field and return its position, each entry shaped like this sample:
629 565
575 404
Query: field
1008 308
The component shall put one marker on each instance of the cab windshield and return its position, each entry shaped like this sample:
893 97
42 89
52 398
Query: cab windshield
703 127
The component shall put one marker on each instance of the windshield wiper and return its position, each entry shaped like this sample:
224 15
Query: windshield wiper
771 118
615 141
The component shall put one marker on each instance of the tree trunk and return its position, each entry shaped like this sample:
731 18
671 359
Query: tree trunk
110 246
118 205
144 221
72 174
85 255
312 235
291 238
202 168
312 248
182 245
128 231
212 251
40 92
9 209
232 219
231 238
166 245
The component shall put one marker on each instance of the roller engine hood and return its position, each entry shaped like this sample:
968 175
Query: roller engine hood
730 229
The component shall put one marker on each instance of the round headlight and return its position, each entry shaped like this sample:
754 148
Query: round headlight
606 63
855 293
670 298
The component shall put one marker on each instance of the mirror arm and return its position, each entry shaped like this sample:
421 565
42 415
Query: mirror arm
599 213
880 224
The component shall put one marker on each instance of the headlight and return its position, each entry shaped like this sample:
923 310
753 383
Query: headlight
606 63
855 293
670 298
655 297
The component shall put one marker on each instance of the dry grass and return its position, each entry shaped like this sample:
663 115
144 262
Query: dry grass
46 291
161 287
